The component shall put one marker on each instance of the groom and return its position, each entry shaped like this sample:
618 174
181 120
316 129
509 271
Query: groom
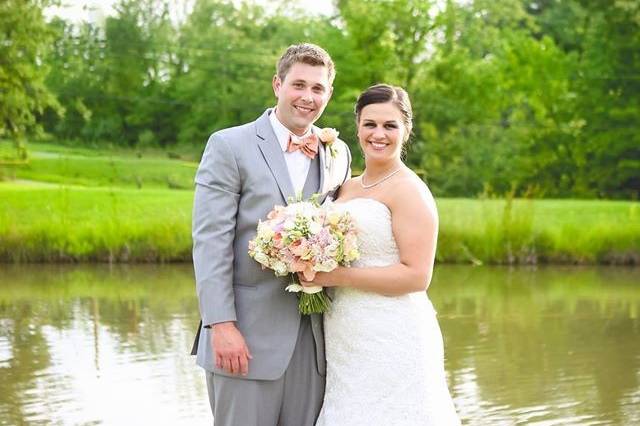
264 362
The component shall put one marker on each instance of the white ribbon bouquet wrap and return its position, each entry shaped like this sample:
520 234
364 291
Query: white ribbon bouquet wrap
304 237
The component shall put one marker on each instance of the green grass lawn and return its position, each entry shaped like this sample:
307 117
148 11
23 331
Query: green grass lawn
51 223
123 168
77 204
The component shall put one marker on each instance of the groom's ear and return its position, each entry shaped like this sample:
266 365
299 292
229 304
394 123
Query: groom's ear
329 94
276 84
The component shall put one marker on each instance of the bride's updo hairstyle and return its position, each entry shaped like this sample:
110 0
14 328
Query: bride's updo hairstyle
383 93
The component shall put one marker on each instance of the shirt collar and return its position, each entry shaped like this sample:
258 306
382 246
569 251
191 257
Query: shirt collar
282 133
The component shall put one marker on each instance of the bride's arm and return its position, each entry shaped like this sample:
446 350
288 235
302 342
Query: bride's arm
415 228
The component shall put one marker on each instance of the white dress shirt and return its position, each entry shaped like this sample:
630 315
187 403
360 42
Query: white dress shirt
297 163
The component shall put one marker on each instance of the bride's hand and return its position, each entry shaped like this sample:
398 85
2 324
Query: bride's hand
323 279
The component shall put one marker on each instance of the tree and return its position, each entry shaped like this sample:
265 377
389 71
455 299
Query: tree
494 103
24 36
75 58
138 54
540 96
609 98
603 37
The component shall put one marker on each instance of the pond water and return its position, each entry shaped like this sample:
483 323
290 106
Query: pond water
90 345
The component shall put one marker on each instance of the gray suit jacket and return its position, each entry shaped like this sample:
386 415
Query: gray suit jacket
241 177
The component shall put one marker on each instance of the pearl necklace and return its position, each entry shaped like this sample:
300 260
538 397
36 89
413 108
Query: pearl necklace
371 185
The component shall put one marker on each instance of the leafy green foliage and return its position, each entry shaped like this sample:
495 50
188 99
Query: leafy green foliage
24 36
531 98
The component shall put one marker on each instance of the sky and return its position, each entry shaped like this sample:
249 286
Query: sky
97 10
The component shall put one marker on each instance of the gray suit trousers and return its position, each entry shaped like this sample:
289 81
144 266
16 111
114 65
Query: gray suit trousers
294 399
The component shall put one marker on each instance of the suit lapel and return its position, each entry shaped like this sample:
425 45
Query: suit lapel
272 153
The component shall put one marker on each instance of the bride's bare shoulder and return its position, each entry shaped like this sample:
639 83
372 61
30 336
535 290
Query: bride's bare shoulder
412 193
349 187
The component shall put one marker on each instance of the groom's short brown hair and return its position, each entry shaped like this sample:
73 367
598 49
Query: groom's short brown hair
305 53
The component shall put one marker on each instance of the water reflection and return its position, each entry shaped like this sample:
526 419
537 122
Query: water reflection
100 345
554 346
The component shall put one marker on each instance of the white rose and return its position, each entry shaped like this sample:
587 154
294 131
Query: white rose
315 227
328 135
280 268
307 209
261 258
264 231
327 266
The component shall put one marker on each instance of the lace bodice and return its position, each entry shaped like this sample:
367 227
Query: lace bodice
375 235
378 248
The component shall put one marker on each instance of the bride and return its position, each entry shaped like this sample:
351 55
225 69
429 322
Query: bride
384 348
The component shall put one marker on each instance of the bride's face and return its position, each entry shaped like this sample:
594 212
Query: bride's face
381 131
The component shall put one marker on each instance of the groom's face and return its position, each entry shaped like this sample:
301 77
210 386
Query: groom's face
302 96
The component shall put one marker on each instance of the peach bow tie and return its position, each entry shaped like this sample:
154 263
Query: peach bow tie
308 145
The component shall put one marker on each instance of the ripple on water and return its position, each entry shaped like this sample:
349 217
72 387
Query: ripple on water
97 377
97 346
6 352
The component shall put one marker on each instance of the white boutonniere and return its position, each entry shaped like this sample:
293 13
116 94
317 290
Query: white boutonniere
328 136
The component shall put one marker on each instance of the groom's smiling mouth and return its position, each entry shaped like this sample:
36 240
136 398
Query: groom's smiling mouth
304 110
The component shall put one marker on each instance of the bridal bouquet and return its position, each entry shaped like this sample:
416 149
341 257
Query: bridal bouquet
304 237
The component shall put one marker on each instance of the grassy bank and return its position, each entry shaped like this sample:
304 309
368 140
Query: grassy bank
539 231
71 203
49 223
41 222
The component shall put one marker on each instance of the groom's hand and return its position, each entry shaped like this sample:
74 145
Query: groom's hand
232 353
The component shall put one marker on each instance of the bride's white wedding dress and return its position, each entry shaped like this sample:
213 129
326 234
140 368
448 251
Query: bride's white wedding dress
384 354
